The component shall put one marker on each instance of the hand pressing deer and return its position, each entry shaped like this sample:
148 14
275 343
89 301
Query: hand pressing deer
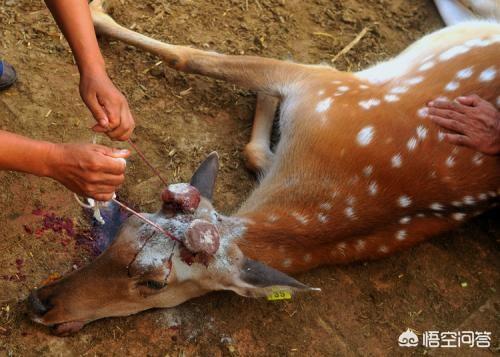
473 122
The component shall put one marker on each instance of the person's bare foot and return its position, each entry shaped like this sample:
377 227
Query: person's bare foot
7 75
473 122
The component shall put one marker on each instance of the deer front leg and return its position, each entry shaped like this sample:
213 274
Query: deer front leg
258 154
271 76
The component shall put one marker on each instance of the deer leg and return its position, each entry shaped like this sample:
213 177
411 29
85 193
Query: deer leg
271 76
453 12
258 154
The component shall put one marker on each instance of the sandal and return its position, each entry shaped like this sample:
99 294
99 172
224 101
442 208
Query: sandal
7 75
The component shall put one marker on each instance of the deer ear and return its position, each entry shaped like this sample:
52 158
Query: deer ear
257 279
206 174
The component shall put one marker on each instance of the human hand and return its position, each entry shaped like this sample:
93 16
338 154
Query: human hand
89 170
107 104
474 122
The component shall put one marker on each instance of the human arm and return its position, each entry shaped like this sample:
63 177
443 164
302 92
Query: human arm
107 104
474 122
88 170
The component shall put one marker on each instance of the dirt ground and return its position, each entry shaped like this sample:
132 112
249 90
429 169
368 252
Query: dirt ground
449 283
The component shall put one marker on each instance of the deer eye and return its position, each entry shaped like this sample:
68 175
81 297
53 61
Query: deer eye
154 285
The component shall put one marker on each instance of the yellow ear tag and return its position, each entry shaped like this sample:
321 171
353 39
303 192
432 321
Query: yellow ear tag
279 295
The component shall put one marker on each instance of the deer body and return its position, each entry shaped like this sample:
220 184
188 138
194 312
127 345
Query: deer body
405 184
359 172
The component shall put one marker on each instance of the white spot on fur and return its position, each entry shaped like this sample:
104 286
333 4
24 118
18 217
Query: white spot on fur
372 188
307 258
404 201
321 92
360 245
363 86
367 104
482 196
469 200
440 135
396 161
483 43
426 66
421 132
365 136
349 212
465 73
336 82
323 218
368 170
436 206
405 220
488 74
324 105
457 204
287 263
300 218
475 42
391 98
401 235
272 218
453 52
414 80
423 112
399 90
450 161
343 88
411 144
452 86
458 216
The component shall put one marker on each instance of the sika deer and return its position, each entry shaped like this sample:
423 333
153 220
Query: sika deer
359 173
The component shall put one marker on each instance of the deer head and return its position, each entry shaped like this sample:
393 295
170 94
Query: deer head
144 269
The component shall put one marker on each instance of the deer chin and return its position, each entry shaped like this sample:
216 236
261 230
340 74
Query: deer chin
67 328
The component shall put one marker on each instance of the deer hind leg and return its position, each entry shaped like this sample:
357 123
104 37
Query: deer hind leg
260 74
454 11
258 154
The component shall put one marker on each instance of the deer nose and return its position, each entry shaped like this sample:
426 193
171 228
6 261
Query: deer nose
38 307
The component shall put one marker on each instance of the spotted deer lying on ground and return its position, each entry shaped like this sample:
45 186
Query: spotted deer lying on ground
359 173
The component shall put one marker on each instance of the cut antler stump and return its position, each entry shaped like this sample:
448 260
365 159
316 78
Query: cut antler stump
202 237
183 196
